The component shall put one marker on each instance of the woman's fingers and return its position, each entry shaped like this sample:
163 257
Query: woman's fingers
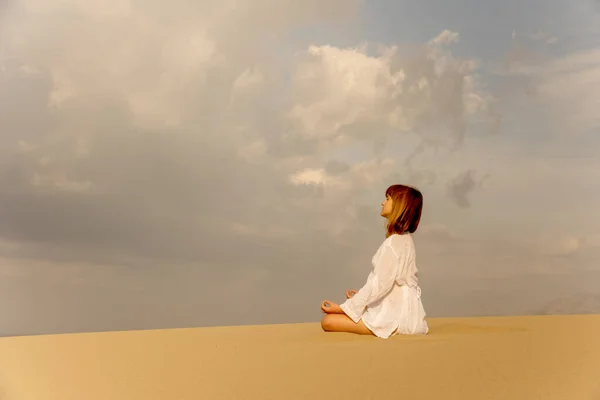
350 293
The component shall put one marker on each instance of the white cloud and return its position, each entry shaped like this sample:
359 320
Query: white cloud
248 81
310 176
360 175
349 92
340 87
446 37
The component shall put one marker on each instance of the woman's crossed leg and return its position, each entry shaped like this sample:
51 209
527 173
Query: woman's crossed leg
343 323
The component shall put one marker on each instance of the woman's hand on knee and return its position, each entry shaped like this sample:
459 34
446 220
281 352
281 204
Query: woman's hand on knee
329 307
350 293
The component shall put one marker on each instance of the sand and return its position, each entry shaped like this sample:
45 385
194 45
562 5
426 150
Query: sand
504 358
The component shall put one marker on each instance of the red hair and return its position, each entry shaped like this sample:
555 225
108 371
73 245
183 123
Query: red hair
407 205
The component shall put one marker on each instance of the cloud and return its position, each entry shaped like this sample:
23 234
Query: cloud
349 93
562 245
566 86
561 84
139 128
312 177
545 37
462 186
174 159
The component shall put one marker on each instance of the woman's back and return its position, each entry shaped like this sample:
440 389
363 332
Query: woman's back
407 270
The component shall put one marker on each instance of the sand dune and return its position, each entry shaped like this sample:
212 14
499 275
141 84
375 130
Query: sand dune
537 357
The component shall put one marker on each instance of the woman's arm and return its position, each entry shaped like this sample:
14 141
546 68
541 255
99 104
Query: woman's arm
379 283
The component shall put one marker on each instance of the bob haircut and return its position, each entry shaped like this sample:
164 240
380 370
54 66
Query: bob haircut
407 205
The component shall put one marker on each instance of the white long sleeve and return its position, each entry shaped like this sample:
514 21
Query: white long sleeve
390 263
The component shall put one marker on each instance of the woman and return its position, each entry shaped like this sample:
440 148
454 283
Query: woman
390 302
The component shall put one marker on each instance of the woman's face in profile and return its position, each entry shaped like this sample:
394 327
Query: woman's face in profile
386 207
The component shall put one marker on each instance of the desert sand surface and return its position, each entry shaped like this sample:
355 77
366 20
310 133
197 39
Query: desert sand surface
532 357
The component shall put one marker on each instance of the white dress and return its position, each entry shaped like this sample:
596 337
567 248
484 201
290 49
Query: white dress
390 302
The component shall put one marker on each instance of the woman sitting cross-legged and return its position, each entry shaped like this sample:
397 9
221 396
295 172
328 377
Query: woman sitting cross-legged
390 301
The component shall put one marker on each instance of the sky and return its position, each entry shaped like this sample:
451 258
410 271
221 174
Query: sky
223 162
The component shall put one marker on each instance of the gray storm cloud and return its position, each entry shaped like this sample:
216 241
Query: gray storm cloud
146 131
461 187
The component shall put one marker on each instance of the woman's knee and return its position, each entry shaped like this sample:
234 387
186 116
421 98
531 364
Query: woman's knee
328 322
